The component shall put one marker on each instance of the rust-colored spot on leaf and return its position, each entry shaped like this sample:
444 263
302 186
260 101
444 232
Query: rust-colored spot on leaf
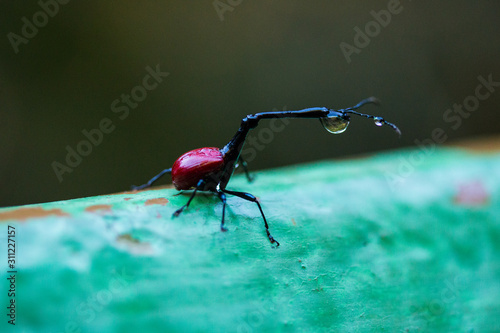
293 221
472 194
127 238
23 214
157 201
134 245
127 199
98 208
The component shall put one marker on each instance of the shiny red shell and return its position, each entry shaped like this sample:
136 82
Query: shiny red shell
195 165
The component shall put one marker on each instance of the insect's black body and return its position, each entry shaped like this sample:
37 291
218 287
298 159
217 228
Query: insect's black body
210 169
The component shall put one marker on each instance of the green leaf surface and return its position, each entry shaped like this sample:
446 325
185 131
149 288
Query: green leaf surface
406 241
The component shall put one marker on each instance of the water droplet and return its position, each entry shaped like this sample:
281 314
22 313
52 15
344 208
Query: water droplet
335 125
379 121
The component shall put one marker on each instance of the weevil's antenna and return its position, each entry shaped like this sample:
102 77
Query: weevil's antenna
369 100
379 121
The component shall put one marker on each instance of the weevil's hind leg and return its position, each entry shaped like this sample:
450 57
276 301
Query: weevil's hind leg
152 180
199 186
245 168
222 197
252 198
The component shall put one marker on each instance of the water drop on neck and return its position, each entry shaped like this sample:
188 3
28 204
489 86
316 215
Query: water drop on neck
335 125
379 121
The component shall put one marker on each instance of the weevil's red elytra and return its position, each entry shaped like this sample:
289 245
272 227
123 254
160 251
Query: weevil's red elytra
195 165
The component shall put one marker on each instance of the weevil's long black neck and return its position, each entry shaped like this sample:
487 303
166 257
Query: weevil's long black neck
232 150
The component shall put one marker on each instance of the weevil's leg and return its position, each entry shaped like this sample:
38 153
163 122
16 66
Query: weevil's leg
252 198
199 186
222 197
245 168
154 179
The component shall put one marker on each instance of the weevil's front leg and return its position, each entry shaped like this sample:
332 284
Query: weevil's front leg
200 185
252 198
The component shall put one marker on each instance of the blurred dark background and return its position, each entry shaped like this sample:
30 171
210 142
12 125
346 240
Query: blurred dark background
243 57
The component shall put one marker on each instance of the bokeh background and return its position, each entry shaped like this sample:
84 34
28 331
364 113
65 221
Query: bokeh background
244 57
